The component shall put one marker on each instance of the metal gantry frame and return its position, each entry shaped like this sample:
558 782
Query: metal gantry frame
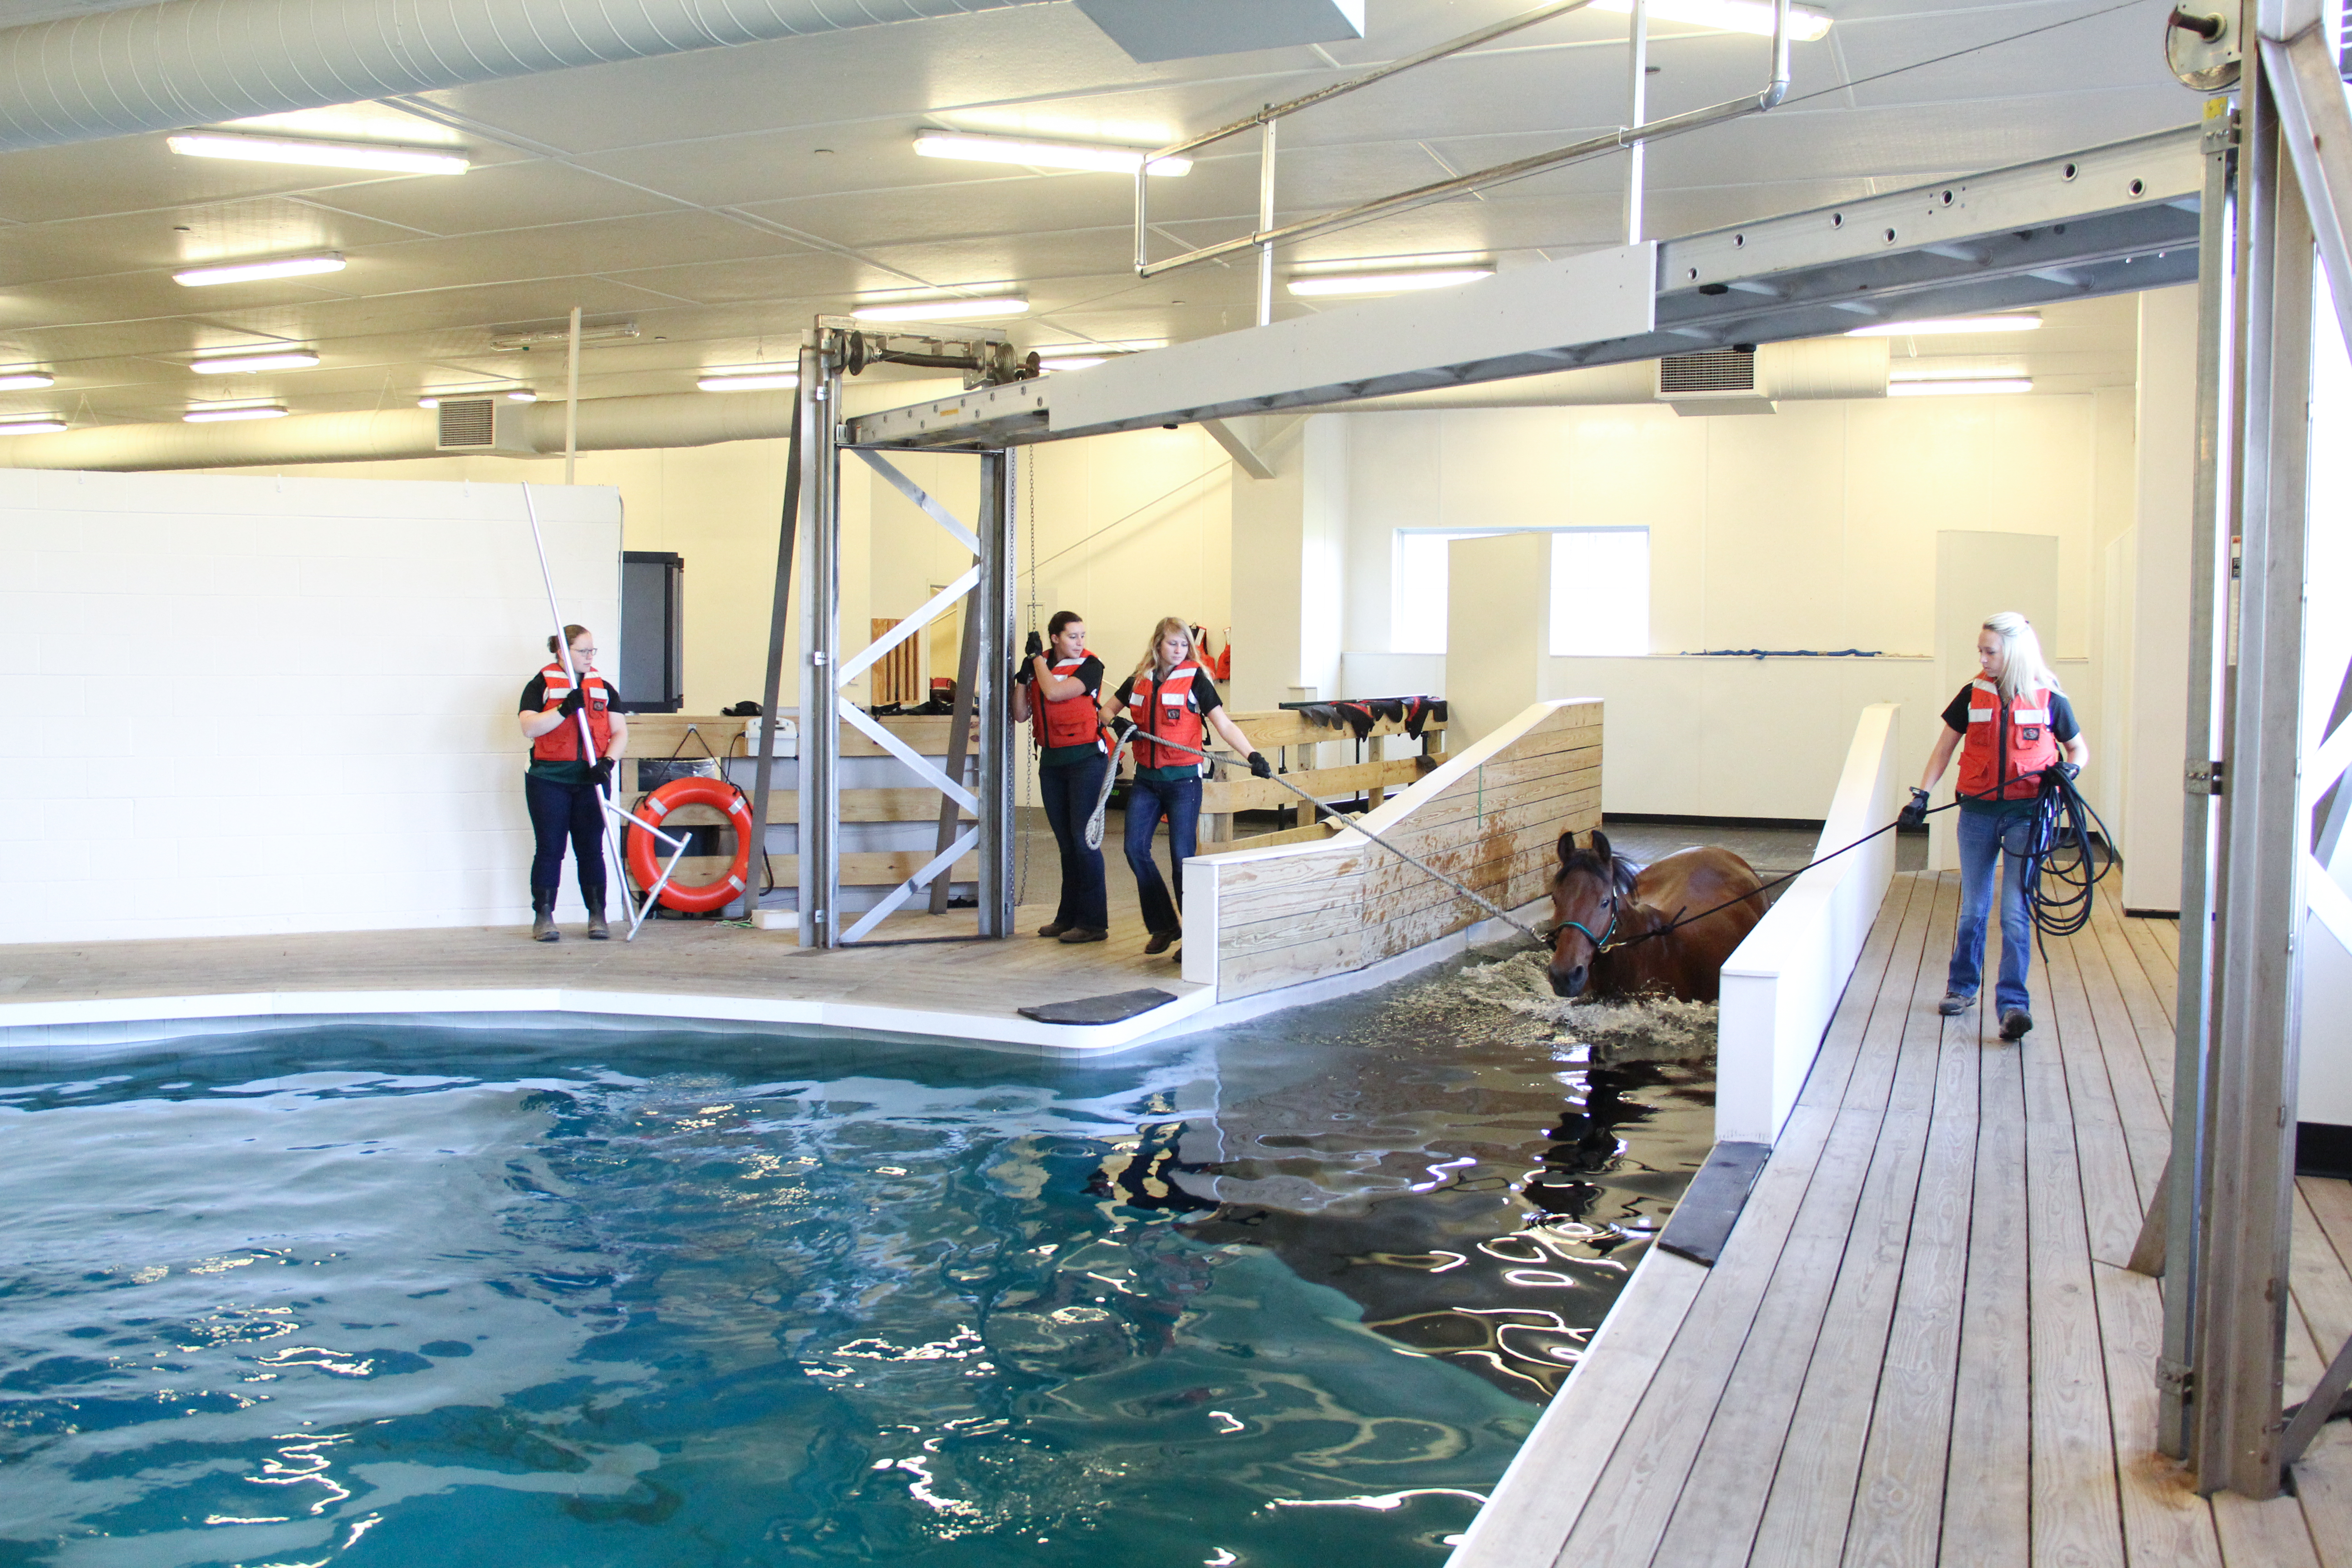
831 348
2278 188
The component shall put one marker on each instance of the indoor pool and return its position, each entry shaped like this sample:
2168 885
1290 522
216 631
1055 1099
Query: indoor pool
1288 1294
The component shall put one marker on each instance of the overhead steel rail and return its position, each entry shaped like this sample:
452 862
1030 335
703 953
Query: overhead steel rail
2110 220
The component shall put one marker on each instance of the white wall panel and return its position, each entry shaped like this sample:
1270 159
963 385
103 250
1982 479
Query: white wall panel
252 704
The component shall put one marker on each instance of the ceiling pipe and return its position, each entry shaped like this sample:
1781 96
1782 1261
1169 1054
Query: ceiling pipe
197 62
607 424
1807 370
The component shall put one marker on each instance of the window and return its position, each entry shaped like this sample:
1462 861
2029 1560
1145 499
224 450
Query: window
1600 589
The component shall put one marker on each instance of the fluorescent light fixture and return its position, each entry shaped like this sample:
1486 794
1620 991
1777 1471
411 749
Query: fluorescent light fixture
217 413
29 423
522 395
25 380
1944 326
749 380
249 272
1958 386
236 364
511 393
941 310
428 403
1031 154
609 332
1806 24
384 157
1070 362
1352 285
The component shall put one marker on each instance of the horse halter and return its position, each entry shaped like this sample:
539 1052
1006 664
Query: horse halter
1599 943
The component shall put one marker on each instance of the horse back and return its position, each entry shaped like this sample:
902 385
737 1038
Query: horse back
1691 881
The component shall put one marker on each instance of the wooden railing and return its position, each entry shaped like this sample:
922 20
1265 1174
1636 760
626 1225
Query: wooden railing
1263 916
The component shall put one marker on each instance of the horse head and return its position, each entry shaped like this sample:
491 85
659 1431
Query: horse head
1590 892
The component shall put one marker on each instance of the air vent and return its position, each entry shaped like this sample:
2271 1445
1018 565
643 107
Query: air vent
467 425
1712 373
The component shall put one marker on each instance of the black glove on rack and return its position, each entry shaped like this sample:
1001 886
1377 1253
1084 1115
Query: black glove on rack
574 702
1915 813
1259 767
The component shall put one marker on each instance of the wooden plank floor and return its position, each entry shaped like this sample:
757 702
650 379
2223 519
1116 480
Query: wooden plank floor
1919 1346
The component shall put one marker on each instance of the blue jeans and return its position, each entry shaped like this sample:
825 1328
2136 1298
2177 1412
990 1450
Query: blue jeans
1147 800
1987 836
1070 794
560 812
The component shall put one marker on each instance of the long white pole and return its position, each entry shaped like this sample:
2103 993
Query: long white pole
571 405
619 868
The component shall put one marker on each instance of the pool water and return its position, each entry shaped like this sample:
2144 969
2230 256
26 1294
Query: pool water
1286 1294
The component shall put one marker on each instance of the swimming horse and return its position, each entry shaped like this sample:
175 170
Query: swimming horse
1615 924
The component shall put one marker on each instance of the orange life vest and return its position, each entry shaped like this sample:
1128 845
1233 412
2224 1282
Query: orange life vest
2004 755
561 745
1071 721
1164 708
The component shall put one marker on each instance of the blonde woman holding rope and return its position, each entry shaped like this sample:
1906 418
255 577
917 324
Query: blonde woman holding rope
1170 697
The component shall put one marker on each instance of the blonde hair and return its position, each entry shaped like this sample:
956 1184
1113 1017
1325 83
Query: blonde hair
2023 668
1168 624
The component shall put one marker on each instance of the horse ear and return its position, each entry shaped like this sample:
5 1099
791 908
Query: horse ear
1601 844
1566 846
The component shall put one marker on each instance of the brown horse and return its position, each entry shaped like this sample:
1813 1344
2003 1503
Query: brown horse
1615 921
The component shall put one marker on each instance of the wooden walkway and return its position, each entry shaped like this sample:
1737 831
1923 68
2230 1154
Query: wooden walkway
1920 1346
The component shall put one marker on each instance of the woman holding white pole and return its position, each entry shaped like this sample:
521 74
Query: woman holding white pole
576 729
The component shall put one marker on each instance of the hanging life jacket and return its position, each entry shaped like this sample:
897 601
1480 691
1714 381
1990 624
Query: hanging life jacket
1072 721
561 745
1164 708
2006 750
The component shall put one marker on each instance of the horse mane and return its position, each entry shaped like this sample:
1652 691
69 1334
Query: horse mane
1613 868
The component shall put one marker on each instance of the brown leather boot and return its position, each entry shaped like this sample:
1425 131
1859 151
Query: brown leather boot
543 918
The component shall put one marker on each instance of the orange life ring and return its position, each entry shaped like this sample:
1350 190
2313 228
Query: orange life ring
644 850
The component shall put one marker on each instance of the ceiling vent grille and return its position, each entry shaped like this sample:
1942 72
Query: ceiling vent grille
467 425
1710 372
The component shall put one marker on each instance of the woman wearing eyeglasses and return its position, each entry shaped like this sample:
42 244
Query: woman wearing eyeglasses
563 786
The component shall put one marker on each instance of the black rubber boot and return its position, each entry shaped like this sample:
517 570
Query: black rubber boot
542 917
597 930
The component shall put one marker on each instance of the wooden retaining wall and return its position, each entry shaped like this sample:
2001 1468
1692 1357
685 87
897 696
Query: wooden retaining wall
1257 920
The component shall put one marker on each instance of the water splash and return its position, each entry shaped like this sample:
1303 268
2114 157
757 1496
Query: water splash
1658 1029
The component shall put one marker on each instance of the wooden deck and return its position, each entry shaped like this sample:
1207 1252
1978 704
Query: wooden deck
1919 1346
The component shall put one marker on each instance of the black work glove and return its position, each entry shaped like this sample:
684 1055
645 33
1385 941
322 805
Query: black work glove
601 774
1915 813
1122 727
1033 646
1022 672
1259 767
572 703
2072 772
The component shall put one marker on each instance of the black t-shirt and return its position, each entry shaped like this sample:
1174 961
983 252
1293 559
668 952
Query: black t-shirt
1089 674
534 701
2062 727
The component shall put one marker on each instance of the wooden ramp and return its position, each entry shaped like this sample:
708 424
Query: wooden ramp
1919 1346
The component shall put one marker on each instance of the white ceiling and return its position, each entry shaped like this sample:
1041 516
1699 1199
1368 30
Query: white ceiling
720 199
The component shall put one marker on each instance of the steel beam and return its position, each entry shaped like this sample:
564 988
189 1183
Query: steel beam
819 459
991 606
2177 1223
2240 1314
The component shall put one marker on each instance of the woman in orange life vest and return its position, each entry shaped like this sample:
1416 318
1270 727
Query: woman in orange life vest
1058 689
564 791
1171 696
2010 725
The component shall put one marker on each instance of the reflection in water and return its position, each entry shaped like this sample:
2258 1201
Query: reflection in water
1267 1298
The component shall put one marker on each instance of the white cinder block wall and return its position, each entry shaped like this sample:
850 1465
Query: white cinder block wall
246 704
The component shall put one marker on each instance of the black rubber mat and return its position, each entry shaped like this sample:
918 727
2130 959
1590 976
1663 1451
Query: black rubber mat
1710 1205
1115 1008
